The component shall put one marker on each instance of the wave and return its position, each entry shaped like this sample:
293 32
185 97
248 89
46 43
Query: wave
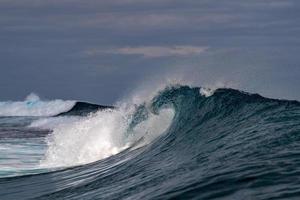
184 143
33 106
84 109
81 140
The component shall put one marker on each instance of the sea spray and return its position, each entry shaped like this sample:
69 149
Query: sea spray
99 135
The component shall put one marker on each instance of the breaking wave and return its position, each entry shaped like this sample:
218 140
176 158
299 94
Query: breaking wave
34 106
182 143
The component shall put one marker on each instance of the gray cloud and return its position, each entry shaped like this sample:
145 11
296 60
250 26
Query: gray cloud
78 49
151 51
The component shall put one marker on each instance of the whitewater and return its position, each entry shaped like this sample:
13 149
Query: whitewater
176 142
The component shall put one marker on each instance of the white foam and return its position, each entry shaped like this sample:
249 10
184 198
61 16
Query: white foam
207 92
83 140
50 123
99 136
33 106
210 89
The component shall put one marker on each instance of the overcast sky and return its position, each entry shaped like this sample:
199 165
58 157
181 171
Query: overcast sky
98 50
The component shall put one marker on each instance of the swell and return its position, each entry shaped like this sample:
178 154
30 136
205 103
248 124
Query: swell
83 109
230 145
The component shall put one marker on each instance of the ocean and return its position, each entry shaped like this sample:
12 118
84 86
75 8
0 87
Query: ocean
182 143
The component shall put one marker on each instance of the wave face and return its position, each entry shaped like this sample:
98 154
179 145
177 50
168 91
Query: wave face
182 144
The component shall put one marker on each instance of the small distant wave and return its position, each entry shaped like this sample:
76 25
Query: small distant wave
83 109
34 106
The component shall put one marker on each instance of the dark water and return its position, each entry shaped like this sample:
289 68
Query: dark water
231 145
83 109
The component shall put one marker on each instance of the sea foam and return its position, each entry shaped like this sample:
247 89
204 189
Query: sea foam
82 140
34 106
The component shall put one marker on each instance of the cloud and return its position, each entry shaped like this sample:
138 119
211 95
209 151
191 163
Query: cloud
152 51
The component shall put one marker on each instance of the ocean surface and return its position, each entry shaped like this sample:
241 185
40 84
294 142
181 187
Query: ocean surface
182 143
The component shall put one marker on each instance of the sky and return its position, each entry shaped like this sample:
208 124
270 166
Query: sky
101 50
